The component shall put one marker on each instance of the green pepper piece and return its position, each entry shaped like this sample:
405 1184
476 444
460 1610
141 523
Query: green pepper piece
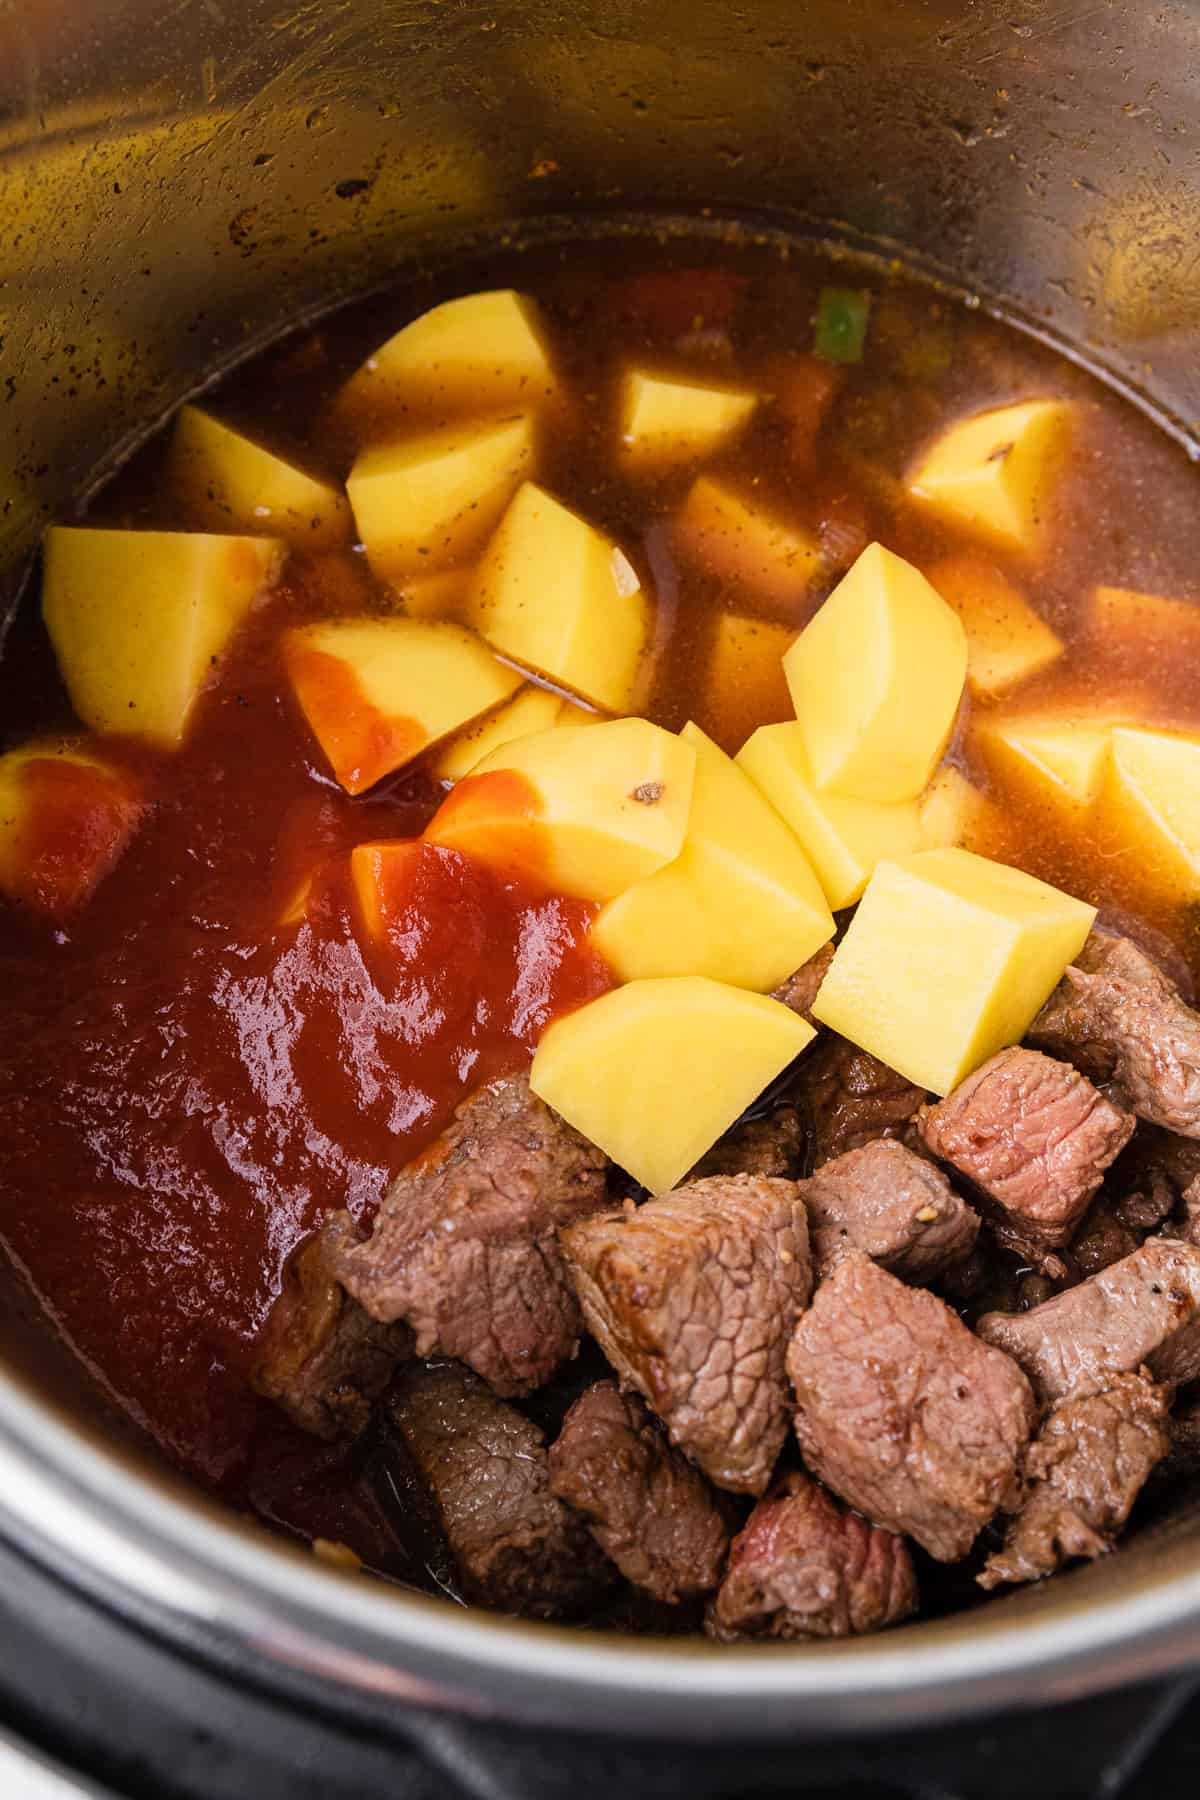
841 331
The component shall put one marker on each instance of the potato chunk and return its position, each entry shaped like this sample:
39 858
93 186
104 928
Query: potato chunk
655 1072
741 541
1150 627
1152 807
560 598
666 422
946 961
951 812
843 839
227 481
138 619
433 499
744 683
443 595
1059 759
992 473
586 812
876 679
740 903
530 710
1006 640
66 814
378 692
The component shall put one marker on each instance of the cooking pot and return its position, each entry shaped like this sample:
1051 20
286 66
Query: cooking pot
178 183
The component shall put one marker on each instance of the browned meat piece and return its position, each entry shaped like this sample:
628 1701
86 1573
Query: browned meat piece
692 1297
805 1567
321 1356
1082 1474
895 1207
1183 1457
1101 1241
852 1098
465 1247
1144 1309
801 988
903 1412
770 1146
648 1508
1117 1016
1149 1178
516 1546
1035 1136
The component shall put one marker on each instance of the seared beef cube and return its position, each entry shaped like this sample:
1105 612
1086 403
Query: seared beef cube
321 1356
465 1247
852 1098
1101 1241
1150 1177
1082 1474
800 989
1035 1136
692 1297
771 1146
1144 1309
805 1567
648 1508
1118 1017
516 1546
893 1206
903 1412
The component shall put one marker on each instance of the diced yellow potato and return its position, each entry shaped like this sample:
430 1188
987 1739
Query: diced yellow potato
66 814
741 541
946 961
1058 758
993 473
951 812
471 355
227 481
665 422
433 499
378 692
1152 807
656 1071
876 678
585 812
843 839
139 618
740 903
530 710
382 877
295 908
560 598
1006 641
441 596
744 683
1123 615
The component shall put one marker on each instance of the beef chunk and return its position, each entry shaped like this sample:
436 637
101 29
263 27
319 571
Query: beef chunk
852 1098
692 1298
801 988
805 1567
1183 1458
1082 1474
771 1146
1118 1017
465 1246
648 1508
321 1356
516 1546
1150 1177
1144 1309
903 1412
1035 1136
1102 1240
893 1206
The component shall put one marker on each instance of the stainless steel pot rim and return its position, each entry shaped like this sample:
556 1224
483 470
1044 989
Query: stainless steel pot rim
77 1509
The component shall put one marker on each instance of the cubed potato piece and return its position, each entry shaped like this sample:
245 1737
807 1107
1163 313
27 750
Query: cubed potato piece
1123 616
138 619
382 876
530 710
655 1072
475 354
378 692
294 910
740 903
66 814
1152 808
1058 759
744 683
443 595
876 678
952 812
741 541
560 598
433 499
946 961
843 839
586 812
226 481
665 422
993 473
1006 641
